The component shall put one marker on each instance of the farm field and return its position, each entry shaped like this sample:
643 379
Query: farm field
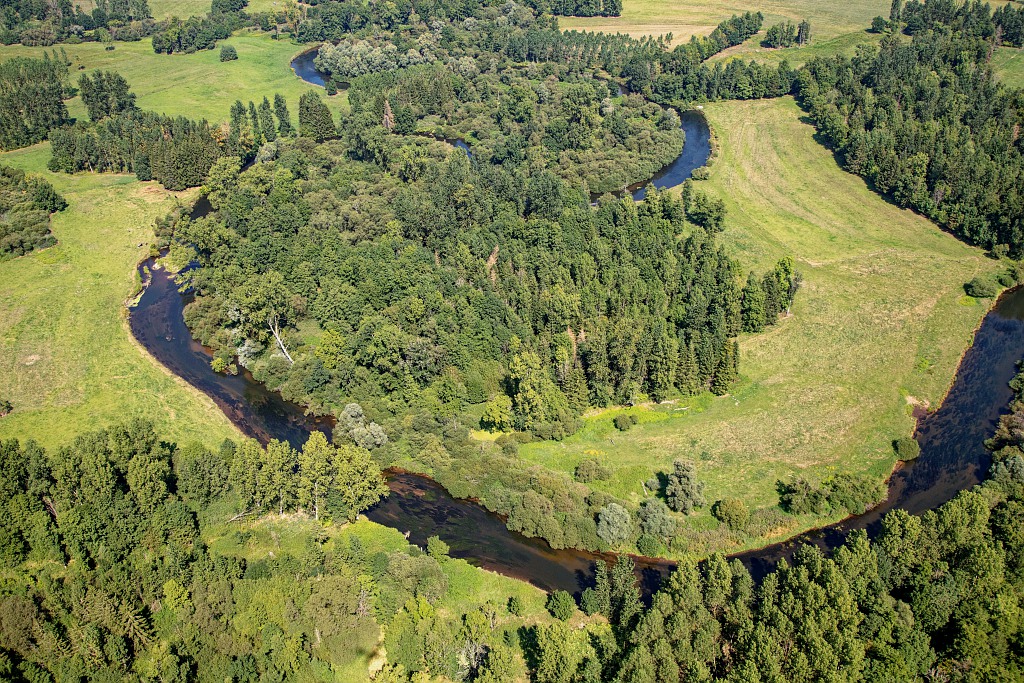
68 362
877 327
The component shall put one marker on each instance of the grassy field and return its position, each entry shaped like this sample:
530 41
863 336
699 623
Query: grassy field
68 362
685 18
197 85
1008 65
878 326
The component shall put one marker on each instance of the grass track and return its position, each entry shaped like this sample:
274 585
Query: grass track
197 85
68 361
1008 65
881 321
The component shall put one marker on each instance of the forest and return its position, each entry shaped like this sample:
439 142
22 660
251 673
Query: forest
26 203
108 576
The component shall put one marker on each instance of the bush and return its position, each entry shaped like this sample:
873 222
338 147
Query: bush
731 512
879 24
906 448
700 173
561 605
624 422
228 53
650 546
981 288
515 606
5 407
591 470
614 524
437 548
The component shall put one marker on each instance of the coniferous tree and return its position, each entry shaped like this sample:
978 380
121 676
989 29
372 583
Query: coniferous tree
754 314
284 117
266 116
315 120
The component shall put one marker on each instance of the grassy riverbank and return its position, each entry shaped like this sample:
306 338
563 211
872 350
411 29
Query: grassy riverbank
68 362
878 327
197 85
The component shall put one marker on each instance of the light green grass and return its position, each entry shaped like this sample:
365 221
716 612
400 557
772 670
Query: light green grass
197 85
877 325
68 361
685 18
1008 65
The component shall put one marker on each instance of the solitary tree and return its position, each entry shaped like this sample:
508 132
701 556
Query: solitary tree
683 491
614 524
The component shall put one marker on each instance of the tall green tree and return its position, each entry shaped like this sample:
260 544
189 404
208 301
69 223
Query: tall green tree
315 120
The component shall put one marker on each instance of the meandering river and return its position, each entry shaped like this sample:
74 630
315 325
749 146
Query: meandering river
953 456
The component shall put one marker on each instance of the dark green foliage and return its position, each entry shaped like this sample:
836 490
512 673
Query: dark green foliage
196 33
315 119
732 512
840 493
684 492
515 606
655 519
228 53
561 605
587 8
624 421
782 34
25 207
105 94
178 152
879 25
981 287
890 116
5 407
591 470
31 100
906 448
284 119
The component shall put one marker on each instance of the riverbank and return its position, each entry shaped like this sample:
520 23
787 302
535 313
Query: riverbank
68 361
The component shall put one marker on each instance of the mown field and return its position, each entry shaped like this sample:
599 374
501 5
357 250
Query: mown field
1008 65
685 18
68 361
197 85
878 326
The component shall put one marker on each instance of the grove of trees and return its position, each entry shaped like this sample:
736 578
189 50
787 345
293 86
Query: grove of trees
26 203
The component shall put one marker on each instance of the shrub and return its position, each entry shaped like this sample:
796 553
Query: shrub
981 288
624 422
683 491
5 407
650 546
731 512
700 173
879 24
591 470
437 548
906 448
561 605
614 524
515 606
228 53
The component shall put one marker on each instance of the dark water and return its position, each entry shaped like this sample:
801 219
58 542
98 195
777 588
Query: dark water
953 455
695 152
305 69
416 505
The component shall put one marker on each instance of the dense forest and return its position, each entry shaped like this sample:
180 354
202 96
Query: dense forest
925 123
32 93
45 23
25 207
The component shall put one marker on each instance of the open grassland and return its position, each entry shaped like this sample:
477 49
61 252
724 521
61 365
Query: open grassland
162 9
878 326
1008 65
685 18
68 361
197 85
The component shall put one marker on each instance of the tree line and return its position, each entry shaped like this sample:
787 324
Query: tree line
32 93
890 115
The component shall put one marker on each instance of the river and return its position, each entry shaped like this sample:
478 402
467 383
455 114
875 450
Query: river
696 150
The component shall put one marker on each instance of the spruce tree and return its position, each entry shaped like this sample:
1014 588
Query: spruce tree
284 117
255 119
266 115
753 306
315 119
